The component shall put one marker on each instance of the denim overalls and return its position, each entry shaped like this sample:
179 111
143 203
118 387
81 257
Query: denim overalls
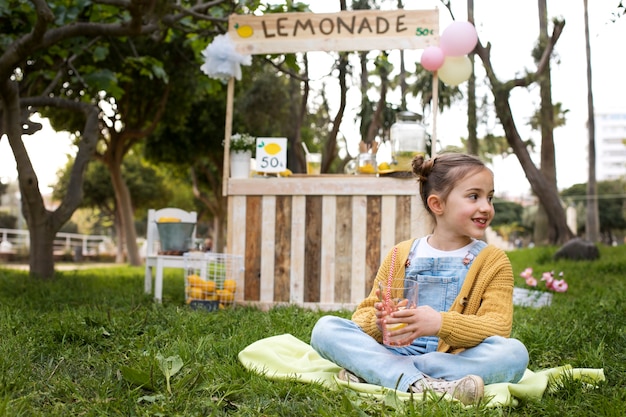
439 282
496 359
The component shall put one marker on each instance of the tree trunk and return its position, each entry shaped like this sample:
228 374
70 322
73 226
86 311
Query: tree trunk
43 224
403 84
301 93
119 232
539 184
124 203
592 226
544 231
40 223
377 117
216 204
472 122
330 148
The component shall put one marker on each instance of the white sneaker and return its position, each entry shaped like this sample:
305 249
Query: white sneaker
468 389
348 376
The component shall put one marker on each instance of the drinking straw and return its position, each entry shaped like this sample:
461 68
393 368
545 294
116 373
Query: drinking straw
306 150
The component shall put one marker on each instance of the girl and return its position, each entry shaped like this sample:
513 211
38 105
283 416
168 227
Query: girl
460 330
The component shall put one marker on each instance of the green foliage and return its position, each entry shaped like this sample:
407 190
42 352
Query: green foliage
92 343
7 221
253 114
559 117
611 203
507 212
423 87
148 185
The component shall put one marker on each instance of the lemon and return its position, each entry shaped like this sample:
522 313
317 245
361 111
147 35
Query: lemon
384 166
169 220
195 293
244 31
396 326
207 286
272 148
230 285
194 280
285 173
367 169
225 296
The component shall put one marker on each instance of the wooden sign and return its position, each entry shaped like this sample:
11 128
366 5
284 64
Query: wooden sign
271 155
359 30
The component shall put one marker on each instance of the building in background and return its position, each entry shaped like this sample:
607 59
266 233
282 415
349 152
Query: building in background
610 141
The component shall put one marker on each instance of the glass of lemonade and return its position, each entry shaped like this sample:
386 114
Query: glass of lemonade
395 299
314 163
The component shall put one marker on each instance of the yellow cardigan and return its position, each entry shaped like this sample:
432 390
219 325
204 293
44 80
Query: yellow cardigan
483 308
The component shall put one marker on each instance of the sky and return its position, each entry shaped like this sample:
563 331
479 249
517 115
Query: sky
512 30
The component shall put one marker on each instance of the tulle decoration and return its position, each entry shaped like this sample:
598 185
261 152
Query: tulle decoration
222 61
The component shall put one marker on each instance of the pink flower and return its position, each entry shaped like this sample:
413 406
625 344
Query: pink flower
559 285
531 281
548 278
527 273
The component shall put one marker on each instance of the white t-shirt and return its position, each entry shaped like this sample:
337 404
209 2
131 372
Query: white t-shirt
425 250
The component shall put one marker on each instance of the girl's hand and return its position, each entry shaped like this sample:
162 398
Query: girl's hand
380 314
420 321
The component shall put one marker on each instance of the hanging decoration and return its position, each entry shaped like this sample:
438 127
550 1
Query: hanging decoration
449 60
458 39
222 61
455 70
432 58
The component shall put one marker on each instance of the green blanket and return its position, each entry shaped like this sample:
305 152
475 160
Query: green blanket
284 356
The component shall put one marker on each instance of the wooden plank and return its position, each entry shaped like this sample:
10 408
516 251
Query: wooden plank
355 30
268 239
343 257
403 218
253 248
359 231
312 249
387 225
329 230
372 250
297 250
237 233
282 248
422 222
330 184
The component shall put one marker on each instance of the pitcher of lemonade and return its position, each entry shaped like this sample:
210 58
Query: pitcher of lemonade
408 139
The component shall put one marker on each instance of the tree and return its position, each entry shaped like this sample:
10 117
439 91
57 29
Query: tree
40 42
544 231
472 122
612 198
147 185
592 201
540 185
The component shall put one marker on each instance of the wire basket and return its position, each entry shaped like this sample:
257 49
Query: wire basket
213 281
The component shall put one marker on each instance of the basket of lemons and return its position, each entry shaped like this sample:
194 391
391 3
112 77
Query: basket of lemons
211 280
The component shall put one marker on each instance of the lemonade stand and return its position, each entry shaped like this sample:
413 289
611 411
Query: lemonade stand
317 240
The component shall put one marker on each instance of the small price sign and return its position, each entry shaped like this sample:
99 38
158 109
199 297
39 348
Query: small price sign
271 155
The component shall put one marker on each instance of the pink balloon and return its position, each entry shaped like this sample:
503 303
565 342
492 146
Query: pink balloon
458 39
432 58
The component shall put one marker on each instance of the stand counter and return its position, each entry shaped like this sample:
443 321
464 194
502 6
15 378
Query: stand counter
317 241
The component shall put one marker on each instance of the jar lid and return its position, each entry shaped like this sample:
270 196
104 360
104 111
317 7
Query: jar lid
408 116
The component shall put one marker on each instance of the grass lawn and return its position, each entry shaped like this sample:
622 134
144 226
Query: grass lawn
90 343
